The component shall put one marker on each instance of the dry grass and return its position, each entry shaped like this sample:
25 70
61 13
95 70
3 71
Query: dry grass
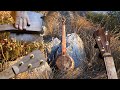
5 17
74 22
115 48
51 21
94 64
79 22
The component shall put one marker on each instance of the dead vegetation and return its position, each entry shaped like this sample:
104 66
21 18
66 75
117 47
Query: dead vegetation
95 67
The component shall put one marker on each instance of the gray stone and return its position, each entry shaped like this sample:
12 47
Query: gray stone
75 48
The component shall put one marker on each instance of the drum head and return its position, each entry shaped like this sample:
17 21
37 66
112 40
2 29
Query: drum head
65 63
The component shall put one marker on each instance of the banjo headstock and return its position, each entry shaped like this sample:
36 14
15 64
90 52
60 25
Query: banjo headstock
31 61
102 38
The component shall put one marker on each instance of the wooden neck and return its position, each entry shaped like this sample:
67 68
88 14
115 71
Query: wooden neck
63 37
110 68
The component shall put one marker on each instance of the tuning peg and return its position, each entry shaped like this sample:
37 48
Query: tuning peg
31 56
98 38
106 32
41 62
29 65
21 63
103 49
107 43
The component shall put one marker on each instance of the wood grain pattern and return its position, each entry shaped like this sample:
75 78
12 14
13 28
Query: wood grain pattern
37 60
36 24
110 67
6 74
103 41
63 37
33 60
64 62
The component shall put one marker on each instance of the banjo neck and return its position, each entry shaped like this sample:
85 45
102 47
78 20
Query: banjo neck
63 37
103 41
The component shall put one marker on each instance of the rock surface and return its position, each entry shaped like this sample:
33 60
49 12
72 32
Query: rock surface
75 48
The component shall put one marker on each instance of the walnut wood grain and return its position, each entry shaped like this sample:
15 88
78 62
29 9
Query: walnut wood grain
100 34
